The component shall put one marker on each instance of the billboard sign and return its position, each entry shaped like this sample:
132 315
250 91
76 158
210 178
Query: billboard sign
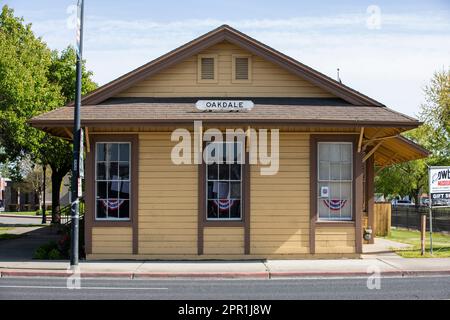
439 183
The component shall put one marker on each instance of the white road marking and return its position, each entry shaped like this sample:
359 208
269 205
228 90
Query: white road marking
82 288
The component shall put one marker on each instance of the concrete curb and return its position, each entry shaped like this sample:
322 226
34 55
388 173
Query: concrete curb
402 273
204 275
213 275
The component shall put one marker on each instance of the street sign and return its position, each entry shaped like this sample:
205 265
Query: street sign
224 105
439 182
439 188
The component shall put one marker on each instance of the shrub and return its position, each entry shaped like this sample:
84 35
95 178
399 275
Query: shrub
42 253
54 254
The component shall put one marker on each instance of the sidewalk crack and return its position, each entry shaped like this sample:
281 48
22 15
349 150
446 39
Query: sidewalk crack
269 275
133 274
389 264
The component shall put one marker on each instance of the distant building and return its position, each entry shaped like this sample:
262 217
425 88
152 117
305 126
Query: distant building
15 196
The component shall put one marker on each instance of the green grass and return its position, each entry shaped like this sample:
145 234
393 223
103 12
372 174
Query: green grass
441 244
26 213
6 236
21 213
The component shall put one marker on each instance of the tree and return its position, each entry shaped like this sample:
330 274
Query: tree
34 80
435 112
411 178
24 87
56 152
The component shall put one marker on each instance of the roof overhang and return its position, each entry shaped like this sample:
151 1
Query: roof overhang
397 150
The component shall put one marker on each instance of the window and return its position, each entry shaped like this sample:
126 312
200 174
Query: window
335 176
241 68
112 180
224 180
207 68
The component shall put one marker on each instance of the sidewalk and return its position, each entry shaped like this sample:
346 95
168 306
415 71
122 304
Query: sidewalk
377 257
257 269
23 248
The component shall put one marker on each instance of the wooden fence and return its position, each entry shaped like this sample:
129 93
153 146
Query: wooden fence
382 219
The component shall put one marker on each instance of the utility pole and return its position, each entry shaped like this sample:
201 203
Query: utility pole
44 216
76 183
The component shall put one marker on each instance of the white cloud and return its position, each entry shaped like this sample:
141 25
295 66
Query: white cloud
391 64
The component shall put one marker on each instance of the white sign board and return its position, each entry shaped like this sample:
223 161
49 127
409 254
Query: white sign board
439 179
324 192
224 105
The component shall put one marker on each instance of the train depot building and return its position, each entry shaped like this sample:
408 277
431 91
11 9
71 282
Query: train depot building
225 148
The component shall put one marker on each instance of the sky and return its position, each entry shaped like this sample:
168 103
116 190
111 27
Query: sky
387 50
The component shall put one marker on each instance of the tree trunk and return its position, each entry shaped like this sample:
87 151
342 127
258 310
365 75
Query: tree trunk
56 186
18 199
416 196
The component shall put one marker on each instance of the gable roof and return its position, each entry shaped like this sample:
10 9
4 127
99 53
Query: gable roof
227 33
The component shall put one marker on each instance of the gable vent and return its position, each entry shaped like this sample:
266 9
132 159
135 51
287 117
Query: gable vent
207 71
241 68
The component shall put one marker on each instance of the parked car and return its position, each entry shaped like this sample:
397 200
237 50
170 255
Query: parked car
404 203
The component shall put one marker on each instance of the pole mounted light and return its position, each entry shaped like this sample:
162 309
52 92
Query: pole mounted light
76 181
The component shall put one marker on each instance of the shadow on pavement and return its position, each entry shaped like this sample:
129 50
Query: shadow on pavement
23 247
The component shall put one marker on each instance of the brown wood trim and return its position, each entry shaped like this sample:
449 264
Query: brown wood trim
312 192
89 200
224 224
356 194
358 184
370 191
201 205
335 224
135 193
246 198
90 221
245 205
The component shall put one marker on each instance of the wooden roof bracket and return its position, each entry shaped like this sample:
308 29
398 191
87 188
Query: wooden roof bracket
372 151
67 131
361 136
88 143
367 142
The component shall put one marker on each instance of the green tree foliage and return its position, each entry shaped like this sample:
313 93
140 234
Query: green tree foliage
411 178
25 90
62 72
435 112
33 80
57 152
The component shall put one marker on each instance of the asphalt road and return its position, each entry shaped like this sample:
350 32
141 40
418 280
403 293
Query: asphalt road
437 287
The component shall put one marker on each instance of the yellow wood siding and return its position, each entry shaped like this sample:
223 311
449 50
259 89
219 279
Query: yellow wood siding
335 239
107 240
280 203
167 199
223 240
168 211
268 80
